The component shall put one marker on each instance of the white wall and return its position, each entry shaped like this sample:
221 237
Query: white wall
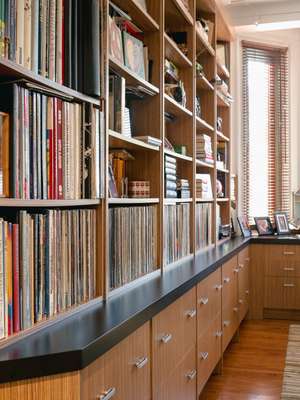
291 39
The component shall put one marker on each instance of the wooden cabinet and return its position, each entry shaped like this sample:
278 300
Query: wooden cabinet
173 337
243 283
230 309
282 293
209 297
208 351
123 373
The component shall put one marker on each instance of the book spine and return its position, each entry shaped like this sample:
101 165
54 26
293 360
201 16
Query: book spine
59 150
2 284
9 274
20 32
27 34
52 41
35 7
59 40
16 286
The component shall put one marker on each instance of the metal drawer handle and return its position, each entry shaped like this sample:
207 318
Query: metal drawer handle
247 291
219 333
218 287
247 259
288 253
241 301
108 394
241 266
204 355
289 269
226 323
203 300
166 338
235 309
236 270
226 280
191 314
141 362
192 375
288 285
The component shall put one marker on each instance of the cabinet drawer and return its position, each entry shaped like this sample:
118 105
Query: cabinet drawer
209 297
283 252
283 267
230 272
123 372
173 335
230 323
244 256
209 351
181 384
282 293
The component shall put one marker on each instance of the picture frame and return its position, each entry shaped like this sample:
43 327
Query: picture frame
134 54
115 41
244 226
282 223
264 226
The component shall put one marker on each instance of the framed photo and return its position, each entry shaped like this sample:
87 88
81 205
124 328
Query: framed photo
115 41
134 54
244 226
282 224
264 226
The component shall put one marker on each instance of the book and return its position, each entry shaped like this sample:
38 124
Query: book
204 214
115 41
149 140
4 155
203 186
139 189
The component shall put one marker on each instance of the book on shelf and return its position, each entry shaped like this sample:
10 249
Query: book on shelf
149 140
118 180
47 266
132 243
176 232
4 154
170 168
183 188
204 187
56 146
139 189
204 150
203 225
57 39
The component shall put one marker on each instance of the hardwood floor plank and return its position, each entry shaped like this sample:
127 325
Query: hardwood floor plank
253 367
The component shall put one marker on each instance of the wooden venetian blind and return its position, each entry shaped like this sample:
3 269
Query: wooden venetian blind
272 121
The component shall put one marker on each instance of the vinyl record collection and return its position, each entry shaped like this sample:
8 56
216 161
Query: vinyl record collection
176 232
132 241
203 225
47 265
56 147
54 38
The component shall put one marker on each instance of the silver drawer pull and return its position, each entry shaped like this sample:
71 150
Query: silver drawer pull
289 269
191 375
203 300
235 309
204 355
247 259
241 266
226 280
191 314
288 285
236 270
218 287
166 338
141 362
241 301
108 394
219 333
247 292
288 253
226 323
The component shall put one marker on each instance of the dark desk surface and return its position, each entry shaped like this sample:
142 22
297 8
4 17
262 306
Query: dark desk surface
75 341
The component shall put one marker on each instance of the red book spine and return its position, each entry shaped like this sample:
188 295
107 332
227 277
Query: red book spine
16 284
59 150
54 150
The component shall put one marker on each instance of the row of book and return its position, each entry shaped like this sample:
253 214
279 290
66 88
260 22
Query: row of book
47 265
58 39
203 187
203 225
204 150
176 232
132 243
170 177
56 148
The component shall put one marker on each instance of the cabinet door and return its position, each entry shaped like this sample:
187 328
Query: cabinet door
173 335
243 284
123 373
282 293
230 272
209 298
209 351
181 384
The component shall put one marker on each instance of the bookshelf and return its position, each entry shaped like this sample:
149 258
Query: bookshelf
170 32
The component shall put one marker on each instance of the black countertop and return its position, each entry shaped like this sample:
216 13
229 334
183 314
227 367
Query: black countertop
74 342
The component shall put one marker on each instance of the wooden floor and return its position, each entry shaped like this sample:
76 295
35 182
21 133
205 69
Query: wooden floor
253 367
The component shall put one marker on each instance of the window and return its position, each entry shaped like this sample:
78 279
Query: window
265 133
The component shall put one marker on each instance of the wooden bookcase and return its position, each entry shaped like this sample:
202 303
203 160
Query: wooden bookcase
156 23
